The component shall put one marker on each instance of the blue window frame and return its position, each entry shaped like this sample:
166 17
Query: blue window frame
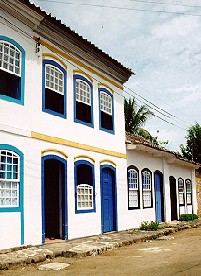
54 88
84 187
147 188
12 70
106 110
11 179
83 101
133 188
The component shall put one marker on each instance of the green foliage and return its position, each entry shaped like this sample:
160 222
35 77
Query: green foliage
192 149
152 225
135 117
188 217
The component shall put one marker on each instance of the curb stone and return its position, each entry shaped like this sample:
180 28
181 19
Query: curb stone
88 246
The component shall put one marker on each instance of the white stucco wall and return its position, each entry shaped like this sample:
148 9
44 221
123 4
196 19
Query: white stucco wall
147 160
16 126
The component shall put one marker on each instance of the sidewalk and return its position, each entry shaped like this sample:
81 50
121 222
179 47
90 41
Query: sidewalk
89 246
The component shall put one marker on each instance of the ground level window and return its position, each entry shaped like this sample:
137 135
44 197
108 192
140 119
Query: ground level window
84 187
188 192
181 191
9 179
84 197
147 189
133 188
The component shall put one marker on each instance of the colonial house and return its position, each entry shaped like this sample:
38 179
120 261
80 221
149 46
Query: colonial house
63 159
62 145
161 184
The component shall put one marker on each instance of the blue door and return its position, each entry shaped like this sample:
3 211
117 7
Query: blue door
108 202
159 197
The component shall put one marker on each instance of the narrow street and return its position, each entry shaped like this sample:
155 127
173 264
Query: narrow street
178 254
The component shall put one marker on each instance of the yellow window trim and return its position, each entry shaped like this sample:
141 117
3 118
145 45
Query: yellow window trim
102 85
61 141
45 55
83 73
85 157
43 152
108 161
76 61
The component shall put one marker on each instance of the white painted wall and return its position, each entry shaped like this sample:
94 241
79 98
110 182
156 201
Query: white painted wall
141 160
16 125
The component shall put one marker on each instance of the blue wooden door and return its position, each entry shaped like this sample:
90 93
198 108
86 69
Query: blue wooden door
108 206
158 197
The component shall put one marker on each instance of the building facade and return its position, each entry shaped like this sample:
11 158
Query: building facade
161 185
62 145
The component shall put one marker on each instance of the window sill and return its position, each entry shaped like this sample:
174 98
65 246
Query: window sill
54 113
84 123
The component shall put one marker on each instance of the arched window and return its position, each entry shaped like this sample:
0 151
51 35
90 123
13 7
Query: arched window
83 100
54 88
84 187
12 67
147 188
9 178
133 188
181 191
106 110
188 192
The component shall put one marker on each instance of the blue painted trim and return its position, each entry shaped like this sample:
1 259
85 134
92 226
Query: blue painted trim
101 128
21 188
22 82
84 162
115 193
65 230
80 77
52 112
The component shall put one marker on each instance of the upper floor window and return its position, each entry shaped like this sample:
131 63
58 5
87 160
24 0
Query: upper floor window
12 63
147 188
181 191
54 88
133 188
84 187
9 179
106 110
83 108
188 192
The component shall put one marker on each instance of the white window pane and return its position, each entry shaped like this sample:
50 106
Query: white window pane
10 58
83 92
54 76
147 198
106 103
84 198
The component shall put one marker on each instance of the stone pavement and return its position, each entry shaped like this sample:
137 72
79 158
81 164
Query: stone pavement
88 246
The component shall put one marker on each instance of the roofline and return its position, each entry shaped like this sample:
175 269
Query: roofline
172 157
45 20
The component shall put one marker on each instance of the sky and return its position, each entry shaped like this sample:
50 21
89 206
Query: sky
159 41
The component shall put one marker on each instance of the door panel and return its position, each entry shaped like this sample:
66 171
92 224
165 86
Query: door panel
108 201
159 197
